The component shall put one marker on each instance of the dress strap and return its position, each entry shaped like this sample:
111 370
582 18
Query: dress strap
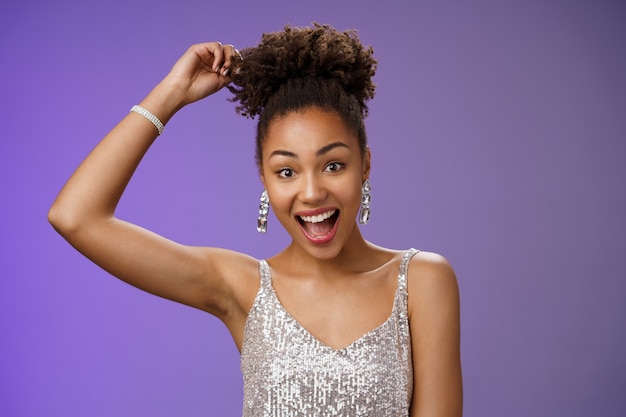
404 268
264 272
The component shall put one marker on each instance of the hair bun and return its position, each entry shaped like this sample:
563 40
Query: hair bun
319 51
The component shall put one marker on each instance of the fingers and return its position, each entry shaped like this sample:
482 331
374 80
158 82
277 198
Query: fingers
204 69
215 56
217 49
231 58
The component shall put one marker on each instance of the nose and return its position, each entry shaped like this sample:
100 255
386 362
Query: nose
312 190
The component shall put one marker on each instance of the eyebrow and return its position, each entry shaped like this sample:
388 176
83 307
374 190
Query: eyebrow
320 152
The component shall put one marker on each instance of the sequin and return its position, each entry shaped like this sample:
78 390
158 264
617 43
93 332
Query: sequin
288 372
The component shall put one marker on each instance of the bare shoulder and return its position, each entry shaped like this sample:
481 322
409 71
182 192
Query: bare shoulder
432 282
435 336
239 271
236 275
429 266
228 262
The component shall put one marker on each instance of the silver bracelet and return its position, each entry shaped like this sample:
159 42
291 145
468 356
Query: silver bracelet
150 116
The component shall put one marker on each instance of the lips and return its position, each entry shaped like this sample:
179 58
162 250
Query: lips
319 226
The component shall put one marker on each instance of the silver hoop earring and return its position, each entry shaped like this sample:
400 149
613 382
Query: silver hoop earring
366 200
264 209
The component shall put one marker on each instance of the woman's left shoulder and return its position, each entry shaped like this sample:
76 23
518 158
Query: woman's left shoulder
430 276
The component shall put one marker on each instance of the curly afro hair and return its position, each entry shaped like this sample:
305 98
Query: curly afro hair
298 68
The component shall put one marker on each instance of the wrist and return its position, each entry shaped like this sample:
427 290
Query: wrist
164 100
151 117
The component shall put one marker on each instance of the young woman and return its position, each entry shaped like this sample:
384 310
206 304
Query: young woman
333 324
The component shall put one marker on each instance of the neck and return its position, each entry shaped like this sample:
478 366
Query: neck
357 255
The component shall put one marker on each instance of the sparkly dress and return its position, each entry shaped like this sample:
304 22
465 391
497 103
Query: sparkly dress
288 372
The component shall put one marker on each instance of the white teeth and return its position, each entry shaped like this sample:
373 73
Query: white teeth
318 218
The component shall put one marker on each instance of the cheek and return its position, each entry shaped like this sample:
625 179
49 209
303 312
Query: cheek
349 193
357 196
279 200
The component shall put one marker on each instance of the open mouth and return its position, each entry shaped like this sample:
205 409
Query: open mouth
319 226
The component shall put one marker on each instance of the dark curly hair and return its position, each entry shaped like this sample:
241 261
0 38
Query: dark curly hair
302 67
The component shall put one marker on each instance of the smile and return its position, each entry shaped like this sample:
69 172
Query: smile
319 218
321 227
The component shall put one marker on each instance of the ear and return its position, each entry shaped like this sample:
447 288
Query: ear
367 159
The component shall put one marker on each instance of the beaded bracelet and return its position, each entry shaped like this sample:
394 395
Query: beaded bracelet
150 116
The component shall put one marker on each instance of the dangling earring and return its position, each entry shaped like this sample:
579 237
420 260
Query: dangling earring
366 200
264 209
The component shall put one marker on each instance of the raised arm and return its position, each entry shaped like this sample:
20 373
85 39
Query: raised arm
435 336
84 211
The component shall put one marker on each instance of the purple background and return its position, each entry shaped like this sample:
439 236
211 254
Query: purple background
498 136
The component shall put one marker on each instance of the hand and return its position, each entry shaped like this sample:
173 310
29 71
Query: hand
202 71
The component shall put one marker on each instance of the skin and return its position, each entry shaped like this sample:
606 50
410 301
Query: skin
338 290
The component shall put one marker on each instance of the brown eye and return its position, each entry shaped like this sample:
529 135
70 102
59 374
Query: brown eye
285 173
333 167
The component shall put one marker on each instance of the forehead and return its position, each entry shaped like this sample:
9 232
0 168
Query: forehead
306 131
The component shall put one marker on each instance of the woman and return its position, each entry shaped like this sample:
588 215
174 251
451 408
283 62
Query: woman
331 325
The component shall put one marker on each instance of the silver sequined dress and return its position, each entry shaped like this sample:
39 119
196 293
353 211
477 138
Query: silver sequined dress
288 372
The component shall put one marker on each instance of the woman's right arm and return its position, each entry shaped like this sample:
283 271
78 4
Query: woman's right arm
84 211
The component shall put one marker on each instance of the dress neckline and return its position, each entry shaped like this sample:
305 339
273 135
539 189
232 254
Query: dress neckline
302 329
